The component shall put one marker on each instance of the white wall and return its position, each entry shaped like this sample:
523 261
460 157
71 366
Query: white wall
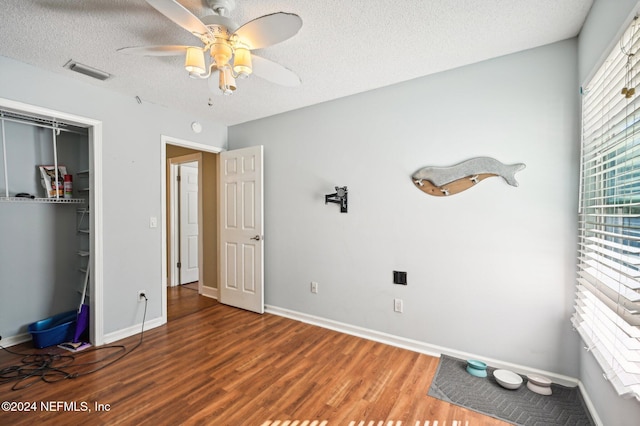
600 34
132 170
490 270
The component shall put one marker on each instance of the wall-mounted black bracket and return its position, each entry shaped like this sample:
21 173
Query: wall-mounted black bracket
340 197
400 277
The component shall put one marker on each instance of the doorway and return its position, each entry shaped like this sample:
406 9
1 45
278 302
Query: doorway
231 238
201 246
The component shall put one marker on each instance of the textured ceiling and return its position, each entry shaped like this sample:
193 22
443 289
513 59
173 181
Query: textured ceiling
343 48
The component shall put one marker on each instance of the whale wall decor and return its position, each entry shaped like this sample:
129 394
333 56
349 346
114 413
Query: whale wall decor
443 181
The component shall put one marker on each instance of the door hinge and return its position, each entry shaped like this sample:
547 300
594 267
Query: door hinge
179 264
178 178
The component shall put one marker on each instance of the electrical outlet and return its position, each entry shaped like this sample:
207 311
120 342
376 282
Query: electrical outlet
397 305
141 295
314 287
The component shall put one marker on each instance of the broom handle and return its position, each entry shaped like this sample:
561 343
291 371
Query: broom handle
86 281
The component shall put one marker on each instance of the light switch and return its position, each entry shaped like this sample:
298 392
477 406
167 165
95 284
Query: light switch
153 222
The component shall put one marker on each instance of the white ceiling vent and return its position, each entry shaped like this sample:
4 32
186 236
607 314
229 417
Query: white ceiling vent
87 70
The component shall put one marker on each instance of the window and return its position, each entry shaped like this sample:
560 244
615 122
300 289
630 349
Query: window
607 311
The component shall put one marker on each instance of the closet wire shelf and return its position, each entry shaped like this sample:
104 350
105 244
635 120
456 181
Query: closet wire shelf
42 200
44 122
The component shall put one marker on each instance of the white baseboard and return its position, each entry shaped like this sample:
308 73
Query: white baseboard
590 407
157 322
108 338
15 340
210 292
133 330
415 345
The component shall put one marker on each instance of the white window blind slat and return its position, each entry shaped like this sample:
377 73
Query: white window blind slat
631 373
613 245
624 308
616 323
620 257
598 260
612 279
604 278
624 384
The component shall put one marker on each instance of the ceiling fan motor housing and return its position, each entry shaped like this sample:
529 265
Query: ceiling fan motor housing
221 52
219 26
218 39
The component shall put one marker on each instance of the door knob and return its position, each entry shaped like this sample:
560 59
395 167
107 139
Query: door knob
257 238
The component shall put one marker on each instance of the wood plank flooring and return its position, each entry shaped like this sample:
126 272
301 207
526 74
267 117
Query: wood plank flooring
184 300
224 366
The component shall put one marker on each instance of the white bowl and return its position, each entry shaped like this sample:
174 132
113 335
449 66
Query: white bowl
507 379
539 380
539 384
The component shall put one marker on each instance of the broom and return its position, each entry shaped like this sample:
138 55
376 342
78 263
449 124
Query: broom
82 320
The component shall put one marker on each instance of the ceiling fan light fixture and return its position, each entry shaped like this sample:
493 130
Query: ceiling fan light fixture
242 65
228 45
227 82
194 61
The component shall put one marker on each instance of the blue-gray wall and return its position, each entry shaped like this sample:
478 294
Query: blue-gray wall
490 270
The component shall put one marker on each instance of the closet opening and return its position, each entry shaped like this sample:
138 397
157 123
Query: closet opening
51 209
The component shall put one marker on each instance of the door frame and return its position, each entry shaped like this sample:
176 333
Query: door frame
174 276
164 141
94 128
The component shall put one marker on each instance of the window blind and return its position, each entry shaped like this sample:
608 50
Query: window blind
607 307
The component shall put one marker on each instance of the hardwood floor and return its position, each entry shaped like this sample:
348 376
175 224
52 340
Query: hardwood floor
225 366
184 300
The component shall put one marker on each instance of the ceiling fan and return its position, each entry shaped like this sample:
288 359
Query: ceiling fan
228 45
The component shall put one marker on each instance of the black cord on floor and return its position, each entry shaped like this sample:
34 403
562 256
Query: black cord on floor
51 368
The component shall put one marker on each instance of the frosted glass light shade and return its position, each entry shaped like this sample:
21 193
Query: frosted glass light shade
194 60
242 62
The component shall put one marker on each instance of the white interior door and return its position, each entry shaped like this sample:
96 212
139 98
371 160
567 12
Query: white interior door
241 229
189 267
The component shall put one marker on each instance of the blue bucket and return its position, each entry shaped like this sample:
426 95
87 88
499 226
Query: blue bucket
53 330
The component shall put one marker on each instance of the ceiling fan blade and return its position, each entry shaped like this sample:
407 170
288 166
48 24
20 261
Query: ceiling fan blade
154 50
180 15
268 30
274 72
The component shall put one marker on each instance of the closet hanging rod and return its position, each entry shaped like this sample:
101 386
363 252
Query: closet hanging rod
40 124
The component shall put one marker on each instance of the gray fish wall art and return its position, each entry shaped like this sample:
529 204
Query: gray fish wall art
442 181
